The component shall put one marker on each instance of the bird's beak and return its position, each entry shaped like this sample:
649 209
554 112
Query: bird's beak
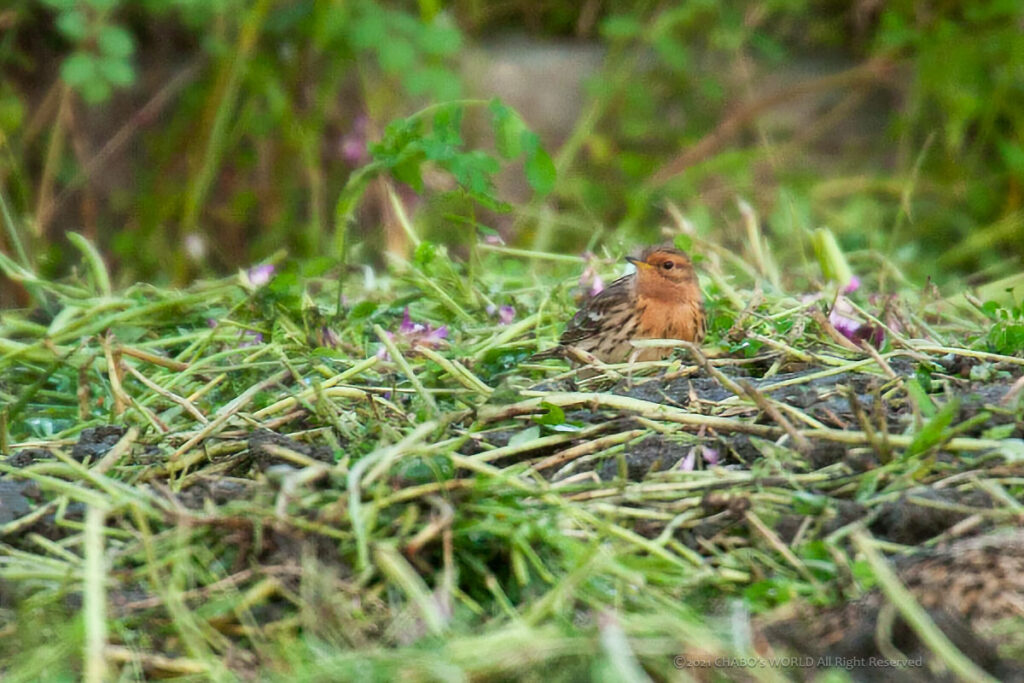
638 263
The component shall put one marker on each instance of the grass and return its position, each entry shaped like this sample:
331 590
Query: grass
437 506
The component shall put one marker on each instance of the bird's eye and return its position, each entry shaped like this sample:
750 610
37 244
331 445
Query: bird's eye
667 265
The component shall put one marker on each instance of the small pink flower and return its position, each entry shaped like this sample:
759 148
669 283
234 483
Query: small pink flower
260 275
688 463
352 146
845 325
421 333
852 286
415 334
707 454
850 327
250 338
505 314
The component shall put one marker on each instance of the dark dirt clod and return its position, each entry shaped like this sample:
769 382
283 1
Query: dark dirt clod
27 456
219 491
13 501
654 454
912 520
94 442
837 514
264 458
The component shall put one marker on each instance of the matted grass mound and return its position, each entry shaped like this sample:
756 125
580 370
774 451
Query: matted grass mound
273 475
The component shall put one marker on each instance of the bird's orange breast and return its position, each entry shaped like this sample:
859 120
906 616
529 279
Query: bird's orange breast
664 320
660 320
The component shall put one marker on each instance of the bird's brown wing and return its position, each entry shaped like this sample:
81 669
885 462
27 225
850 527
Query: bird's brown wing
702 323
595 315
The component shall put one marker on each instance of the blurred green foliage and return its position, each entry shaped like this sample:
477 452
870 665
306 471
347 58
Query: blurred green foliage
189 137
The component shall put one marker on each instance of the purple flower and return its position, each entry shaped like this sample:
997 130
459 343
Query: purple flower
852 286
250 338
689 462
416 334
851 328
421 333
505 314
329 338
846 326
260 275
707 454
352 147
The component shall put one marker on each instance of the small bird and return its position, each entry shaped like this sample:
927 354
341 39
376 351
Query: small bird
661 300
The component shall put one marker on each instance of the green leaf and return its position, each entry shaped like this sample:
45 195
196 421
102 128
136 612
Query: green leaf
920 397
102 5
409 172
438 150
117 72
863 573
439 40
396 55
934 431
93 260
73 24
398 135
79 69
473 170
539 168
554 416
330 25
114 41
440 83
368 31
991 309
508 129
999 431
830 257
673 53
621 27
364 309
448 125
317 266
526 436
425 253
96 91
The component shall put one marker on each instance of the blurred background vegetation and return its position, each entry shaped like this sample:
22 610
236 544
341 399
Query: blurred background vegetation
191 137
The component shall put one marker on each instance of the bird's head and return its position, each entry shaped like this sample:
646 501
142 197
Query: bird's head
664 266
